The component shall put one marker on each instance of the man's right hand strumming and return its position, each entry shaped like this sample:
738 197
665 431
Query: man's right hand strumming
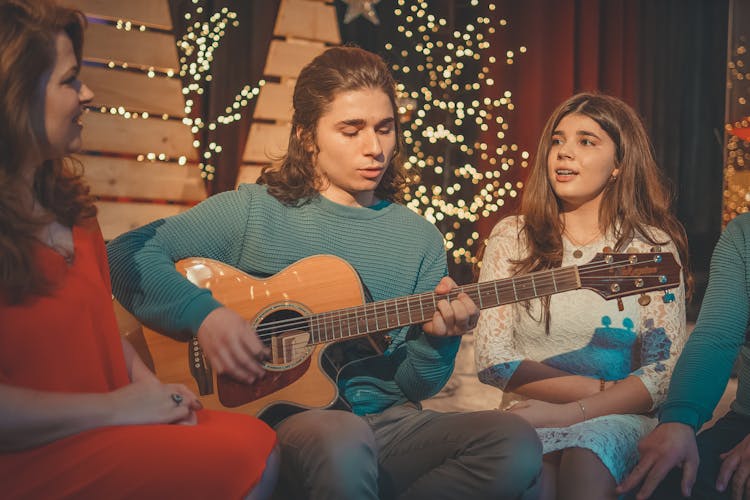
232 346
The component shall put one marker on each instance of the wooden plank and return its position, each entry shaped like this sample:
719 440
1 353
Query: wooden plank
149 12
110 176
287 58
308 20
248 174
142 49
117 218
275 101
116 134
266 142
134 91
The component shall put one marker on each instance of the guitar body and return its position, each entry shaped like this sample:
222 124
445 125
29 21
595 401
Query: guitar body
295 377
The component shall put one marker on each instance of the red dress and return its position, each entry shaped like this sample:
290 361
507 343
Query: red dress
69 342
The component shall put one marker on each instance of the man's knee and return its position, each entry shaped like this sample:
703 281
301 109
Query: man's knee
328 443
522 470
510 450
507 435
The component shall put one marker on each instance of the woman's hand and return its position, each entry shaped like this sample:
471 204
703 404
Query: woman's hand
543 414
148 401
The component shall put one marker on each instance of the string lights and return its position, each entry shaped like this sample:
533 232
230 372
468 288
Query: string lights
196 47
453 112
450 106
737 159
149 71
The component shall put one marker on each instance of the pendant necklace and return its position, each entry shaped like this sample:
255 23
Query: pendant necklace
578 253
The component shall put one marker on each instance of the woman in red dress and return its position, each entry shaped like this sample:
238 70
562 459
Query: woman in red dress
80 415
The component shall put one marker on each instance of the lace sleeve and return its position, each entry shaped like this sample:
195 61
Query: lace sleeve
663 333
495 356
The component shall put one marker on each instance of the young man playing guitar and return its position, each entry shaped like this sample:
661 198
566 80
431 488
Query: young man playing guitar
336 193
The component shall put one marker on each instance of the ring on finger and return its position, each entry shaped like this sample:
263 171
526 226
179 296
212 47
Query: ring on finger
177 398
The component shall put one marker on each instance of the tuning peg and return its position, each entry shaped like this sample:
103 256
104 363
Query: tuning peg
668 297
620 305
644 300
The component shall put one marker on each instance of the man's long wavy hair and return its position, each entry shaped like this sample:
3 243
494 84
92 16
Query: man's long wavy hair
639 198
28 33
337 70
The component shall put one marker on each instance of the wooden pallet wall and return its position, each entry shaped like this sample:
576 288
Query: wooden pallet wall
121 154
302 31
128 71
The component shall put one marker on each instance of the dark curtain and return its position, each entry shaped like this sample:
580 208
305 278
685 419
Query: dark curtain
572 46
239 61
683 59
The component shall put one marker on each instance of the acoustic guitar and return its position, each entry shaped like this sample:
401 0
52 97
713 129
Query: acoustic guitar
319 301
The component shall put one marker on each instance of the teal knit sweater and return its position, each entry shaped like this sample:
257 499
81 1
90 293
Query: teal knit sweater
702 372
395 252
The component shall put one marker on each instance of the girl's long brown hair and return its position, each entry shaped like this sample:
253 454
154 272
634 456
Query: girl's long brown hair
639 198
338 69
28 32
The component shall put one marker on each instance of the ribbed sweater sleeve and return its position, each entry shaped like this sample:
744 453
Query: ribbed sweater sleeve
144 278
429 361
703 369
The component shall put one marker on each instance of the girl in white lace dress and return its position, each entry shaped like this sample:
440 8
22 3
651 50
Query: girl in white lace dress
589 374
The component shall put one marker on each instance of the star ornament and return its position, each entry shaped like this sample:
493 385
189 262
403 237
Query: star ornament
364 8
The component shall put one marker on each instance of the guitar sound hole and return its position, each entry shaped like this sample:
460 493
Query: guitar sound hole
287 336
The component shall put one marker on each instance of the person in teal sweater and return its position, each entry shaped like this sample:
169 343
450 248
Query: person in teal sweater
336 192
715 464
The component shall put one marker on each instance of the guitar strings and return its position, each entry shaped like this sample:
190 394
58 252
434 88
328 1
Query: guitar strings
526 282
330 318
381 316
522 283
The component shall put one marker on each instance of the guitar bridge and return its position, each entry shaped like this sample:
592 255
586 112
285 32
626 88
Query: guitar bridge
200 368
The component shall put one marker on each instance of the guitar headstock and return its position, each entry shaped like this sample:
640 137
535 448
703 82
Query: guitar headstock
614 275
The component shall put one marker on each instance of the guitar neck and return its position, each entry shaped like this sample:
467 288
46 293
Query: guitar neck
390 314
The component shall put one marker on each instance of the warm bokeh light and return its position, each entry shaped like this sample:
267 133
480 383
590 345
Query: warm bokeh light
445 74
737 159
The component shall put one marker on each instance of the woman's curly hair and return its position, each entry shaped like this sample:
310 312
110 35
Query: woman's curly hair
28 34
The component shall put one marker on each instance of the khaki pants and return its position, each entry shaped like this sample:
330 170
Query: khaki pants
408 453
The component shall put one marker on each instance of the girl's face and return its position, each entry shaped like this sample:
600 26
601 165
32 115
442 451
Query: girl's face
581 161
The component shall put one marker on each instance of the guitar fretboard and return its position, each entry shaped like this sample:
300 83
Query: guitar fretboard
396 313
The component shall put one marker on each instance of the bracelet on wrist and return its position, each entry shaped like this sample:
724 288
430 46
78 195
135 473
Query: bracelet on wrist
583 410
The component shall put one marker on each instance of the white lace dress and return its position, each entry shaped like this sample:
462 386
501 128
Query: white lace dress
588 336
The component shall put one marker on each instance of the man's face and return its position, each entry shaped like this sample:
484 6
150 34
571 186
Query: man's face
356 138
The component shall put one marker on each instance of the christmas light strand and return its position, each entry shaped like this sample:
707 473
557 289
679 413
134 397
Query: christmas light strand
737 153
458 178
